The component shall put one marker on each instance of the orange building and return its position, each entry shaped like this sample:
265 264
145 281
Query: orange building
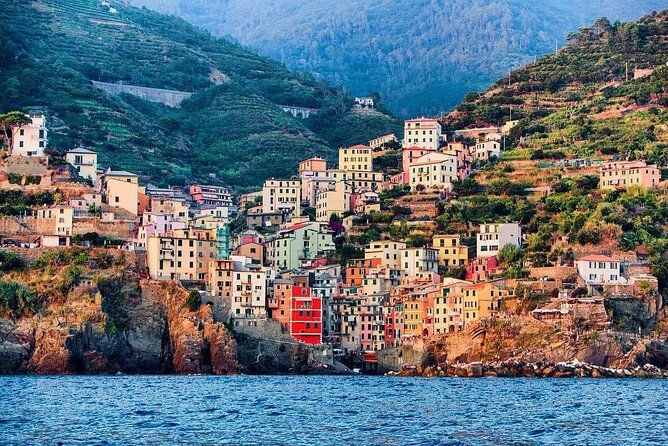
358 269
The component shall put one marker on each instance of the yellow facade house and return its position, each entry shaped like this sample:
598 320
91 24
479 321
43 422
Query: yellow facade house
282 196
185 254
357 158
120 189
388 251
332 200
451 253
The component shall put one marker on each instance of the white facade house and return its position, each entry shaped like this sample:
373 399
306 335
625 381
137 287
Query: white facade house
30 139
416 260
282 196
494 236
600 270
485 150
433 170
85 163
422 132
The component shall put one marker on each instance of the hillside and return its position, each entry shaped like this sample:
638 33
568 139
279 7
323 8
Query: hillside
230 131
421 56
579 102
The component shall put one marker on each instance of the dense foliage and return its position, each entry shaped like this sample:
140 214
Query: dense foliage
422 56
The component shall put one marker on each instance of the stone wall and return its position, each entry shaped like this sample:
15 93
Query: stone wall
115 229
398 357
171 98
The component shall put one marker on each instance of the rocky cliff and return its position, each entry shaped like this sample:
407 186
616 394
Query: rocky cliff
161 336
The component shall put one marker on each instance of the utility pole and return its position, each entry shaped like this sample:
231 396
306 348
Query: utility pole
627 71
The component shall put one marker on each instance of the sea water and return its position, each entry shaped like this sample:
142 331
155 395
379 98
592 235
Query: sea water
330 410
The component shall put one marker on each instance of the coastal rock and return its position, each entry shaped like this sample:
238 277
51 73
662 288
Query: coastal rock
16 343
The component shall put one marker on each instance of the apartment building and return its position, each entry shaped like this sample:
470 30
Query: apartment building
494 236
357 158
435 170
282 196
334 199
184 254
30 139
422 132
121 189
388 251
451 253
619 174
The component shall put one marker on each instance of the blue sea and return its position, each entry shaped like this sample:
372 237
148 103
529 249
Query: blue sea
317 410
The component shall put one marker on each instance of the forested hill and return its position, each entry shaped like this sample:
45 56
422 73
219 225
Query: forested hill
422 56
231 131
584 101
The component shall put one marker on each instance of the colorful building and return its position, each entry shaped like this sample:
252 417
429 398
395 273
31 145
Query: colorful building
617 174
305 315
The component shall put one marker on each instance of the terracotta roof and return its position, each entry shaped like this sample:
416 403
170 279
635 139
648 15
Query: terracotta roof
597 258
358 146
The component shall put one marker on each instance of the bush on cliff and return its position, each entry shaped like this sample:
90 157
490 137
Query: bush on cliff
113 304
193 301
16 299
11 261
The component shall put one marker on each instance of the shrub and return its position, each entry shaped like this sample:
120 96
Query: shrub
193 301
11 261
113 304
15 178
16 299
33 179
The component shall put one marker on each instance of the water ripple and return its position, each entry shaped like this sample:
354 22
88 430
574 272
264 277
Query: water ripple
296 410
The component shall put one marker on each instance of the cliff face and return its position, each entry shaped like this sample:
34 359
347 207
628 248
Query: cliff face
161 337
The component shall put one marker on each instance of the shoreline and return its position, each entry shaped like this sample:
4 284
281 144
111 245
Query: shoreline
522 369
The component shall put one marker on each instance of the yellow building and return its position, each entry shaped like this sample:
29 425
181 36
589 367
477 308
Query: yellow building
358 181
628 173
447 307
177 208
479 301
282 196
332 200
422 132
388 251
451 253
357 158
120 189
63 217
184 255
413 318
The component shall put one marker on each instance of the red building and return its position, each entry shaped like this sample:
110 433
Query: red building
394 325
305 315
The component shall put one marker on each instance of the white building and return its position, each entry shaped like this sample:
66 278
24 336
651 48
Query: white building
485 150
85 163
416 260
494 236
30 139
388 251
599 270
433 170
422 132
282 196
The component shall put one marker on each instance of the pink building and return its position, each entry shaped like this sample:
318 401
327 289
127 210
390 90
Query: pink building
629 173
410 156
481 268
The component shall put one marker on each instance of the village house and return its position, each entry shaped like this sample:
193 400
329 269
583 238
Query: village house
486 150
380 141
255 218
451 253
333 200
422 132
357 181
305 315
299 242
617 174
30 139
410 155
312 172
433 170
494 236
357 158
251 250
371 318
415 260
120 189
206 195
365 102
599 270
84 162
282 196
388 251
183 254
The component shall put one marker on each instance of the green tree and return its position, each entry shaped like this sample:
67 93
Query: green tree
193 301
10 120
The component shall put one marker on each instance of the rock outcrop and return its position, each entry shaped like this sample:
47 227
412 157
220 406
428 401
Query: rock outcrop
161 337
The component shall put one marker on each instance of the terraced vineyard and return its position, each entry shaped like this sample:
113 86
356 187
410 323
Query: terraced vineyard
231 131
